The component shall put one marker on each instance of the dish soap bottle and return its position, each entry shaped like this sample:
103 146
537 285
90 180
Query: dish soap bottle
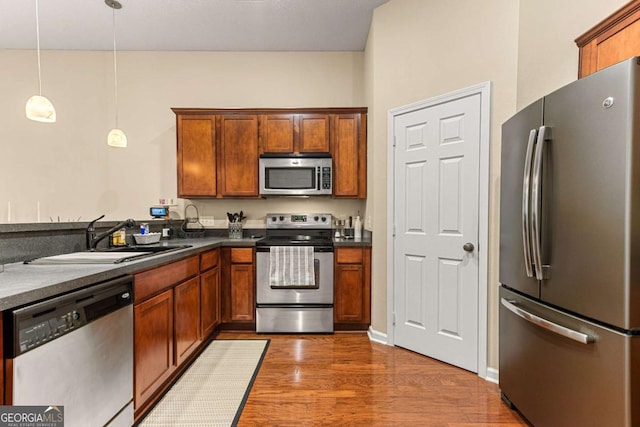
357 228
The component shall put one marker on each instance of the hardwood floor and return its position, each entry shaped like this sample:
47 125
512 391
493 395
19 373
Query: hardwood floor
346 380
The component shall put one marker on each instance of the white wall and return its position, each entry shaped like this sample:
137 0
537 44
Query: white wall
418 49
547 53
421 48
67 167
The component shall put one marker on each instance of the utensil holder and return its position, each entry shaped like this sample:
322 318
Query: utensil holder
235 230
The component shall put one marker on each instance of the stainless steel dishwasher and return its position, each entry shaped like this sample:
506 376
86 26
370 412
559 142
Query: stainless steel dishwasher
76 351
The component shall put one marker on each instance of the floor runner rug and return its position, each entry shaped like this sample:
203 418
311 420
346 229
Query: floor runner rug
214 389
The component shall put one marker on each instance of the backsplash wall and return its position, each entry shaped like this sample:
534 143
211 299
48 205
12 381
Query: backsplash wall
256 210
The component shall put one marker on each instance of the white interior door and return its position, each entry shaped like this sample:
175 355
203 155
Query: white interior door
435 260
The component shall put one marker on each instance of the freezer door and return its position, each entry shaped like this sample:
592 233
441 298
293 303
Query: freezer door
593 167
566 372
519 135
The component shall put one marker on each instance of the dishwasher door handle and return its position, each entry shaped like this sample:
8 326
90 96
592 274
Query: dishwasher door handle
546 324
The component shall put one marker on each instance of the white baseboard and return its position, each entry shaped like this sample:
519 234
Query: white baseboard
376 336
492 375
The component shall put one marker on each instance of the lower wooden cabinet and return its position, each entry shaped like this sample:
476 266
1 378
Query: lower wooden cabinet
238 283
153 349
352 288
209 293
187 318
166 319
242 293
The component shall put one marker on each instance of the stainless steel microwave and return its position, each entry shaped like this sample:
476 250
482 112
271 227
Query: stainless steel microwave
295 175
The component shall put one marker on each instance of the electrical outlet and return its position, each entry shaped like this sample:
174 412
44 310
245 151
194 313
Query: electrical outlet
207 221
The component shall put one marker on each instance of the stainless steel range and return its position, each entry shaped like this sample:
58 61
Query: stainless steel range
294 274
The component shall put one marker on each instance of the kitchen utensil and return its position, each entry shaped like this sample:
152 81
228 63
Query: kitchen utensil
235 224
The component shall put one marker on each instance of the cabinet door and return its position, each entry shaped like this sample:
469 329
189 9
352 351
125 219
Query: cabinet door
242 292
352 286
349 293
187 318
349 157
614 39
238 155
276 132
196 156
153 344
314 133
210 301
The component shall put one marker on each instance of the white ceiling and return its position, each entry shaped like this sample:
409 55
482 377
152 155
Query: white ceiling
204 25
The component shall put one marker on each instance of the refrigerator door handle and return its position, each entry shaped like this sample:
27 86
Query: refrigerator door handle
544 133
546 324
526 197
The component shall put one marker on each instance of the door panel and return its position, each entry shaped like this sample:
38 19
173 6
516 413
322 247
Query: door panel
590 184
515 137
239 155
556 381
196 156
436 213
314 133
277 133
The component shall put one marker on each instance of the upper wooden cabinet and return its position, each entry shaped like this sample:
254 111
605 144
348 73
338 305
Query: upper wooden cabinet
218 149
349 156
294 133
613 40
238 160
276 132
314 133
196 156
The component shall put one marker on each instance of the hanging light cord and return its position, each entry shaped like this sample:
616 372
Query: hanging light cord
115 65
38 48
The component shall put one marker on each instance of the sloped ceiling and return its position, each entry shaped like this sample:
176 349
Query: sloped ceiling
189 25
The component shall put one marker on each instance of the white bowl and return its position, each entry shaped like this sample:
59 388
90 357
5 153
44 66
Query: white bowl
146 239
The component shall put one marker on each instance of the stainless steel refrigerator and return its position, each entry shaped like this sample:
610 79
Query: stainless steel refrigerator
570 254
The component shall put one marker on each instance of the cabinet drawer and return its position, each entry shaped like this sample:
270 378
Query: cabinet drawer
209 259
151 281
242 255
349 255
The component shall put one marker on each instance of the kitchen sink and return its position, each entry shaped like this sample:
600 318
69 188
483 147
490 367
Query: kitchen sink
108 255
143 248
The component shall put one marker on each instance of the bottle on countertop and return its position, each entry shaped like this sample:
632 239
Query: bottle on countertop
357 228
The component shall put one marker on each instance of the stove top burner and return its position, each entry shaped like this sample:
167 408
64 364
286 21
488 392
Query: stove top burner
298 230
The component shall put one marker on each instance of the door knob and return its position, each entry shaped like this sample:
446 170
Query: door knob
468 247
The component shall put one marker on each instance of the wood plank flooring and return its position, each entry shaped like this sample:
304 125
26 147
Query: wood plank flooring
346 380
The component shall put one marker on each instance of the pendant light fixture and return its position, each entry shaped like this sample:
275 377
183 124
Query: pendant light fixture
38 107
116 137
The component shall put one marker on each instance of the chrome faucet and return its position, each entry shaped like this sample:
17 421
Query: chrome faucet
93 239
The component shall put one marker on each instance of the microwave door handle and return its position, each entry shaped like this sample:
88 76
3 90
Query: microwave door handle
536 196
526 197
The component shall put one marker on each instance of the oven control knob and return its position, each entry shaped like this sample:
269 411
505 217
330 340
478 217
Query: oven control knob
281 218
273 219
324 219
315 218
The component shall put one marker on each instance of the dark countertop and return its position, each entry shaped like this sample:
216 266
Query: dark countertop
365 241
22 284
